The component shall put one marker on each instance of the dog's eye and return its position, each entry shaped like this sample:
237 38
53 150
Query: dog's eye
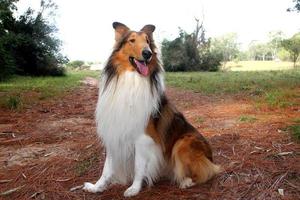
148 41
132 40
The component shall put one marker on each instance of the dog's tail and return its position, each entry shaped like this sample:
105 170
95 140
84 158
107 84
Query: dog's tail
192 163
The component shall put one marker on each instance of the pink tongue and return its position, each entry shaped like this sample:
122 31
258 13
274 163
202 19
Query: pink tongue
143 69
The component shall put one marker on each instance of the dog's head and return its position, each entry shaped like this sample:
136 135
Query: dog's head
134 50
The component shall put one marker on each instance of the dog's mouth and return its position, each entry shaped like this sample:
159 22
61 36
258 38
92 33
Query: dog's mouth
140 65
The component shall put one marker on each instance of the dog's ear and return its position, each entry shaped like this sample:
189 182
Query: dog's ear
149 29
120 30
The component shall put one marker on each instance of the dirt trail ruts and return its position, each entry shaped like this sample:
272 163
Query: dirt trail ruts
51 146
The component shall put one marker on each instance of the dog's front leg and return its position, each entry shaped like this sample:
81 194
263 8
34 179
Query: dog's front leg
104 180
142 150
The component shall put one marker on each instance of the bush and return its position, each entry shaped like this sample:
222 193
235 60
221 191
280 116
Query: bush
7 67
14 102
284 55
28 45
75 64
189 53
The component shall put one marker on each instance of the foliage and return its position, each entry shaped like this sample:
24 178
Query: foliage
28 45
189 52
274 44
75 64
6 19
296 6
266 50
7 66
284 55
226 46
293 46
242 55
260 51
14 102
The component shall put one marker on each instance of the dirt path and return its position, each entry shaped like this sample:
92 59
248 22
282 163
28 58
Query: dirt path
50 147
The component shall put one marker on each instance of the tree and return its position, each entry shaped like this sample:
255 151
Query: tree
189 52
29 41
76 64
7 66
296 6
274 44
260 51
293 46
226 46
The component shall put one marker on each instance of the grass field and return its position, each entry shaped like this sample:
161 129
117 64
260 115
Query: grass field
259 65
235 82
274 87
25 89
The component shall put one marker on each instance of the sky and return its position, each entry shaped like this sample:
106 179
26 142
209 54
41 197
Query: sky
85 27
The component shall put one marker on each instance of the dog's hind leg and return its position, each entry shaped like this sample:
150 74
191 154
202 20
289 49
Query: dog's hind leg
148 162
104 180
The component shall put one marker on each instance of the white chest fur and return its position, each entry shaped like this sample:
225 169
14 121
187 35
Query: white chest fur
123 111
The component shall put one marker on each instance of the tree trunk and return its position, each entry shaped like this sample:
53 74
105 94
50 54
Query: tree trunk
295 60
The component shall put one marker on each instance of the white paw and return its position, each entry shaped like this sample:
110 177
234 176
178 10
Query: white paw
131 191
186 183
89 187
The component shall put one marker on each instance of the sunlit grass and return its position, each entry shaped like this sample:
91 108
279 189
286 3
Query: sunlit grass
247 118
26 89
259 65
234 82
275 88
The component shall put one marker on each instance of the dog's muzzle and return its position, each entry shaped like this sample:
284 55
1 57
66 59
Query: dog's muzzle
147 54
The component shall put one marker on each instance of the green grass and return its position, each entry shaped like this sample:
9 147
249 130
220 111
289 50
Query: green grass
254 83
295 130
274 88
25 89
259 65
296 120
84 165
246 118
199 120
14 102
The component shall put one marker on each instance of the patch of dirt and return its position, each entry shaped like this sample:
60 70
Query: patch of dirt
51 147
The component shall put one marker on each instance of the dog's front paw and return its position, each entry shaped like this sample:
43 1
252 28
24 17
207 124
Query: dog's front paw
131 191
89 187
186 183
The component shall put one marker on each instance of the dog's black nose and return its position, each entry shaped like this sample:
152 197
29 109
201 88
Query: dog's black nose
146 54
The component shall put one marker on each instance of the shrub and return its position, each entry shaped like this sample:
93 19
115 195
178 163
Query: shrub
14 102
186 53
7 67
28 45
75 64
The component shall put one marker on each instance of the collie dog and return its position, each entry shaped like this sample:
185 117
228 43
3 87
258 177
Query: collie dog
144 135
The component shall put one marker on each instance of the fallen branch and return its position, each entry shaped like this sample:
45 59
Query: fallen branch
285 153
76 188
63 180
5 181
8 192
36 194
292 185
